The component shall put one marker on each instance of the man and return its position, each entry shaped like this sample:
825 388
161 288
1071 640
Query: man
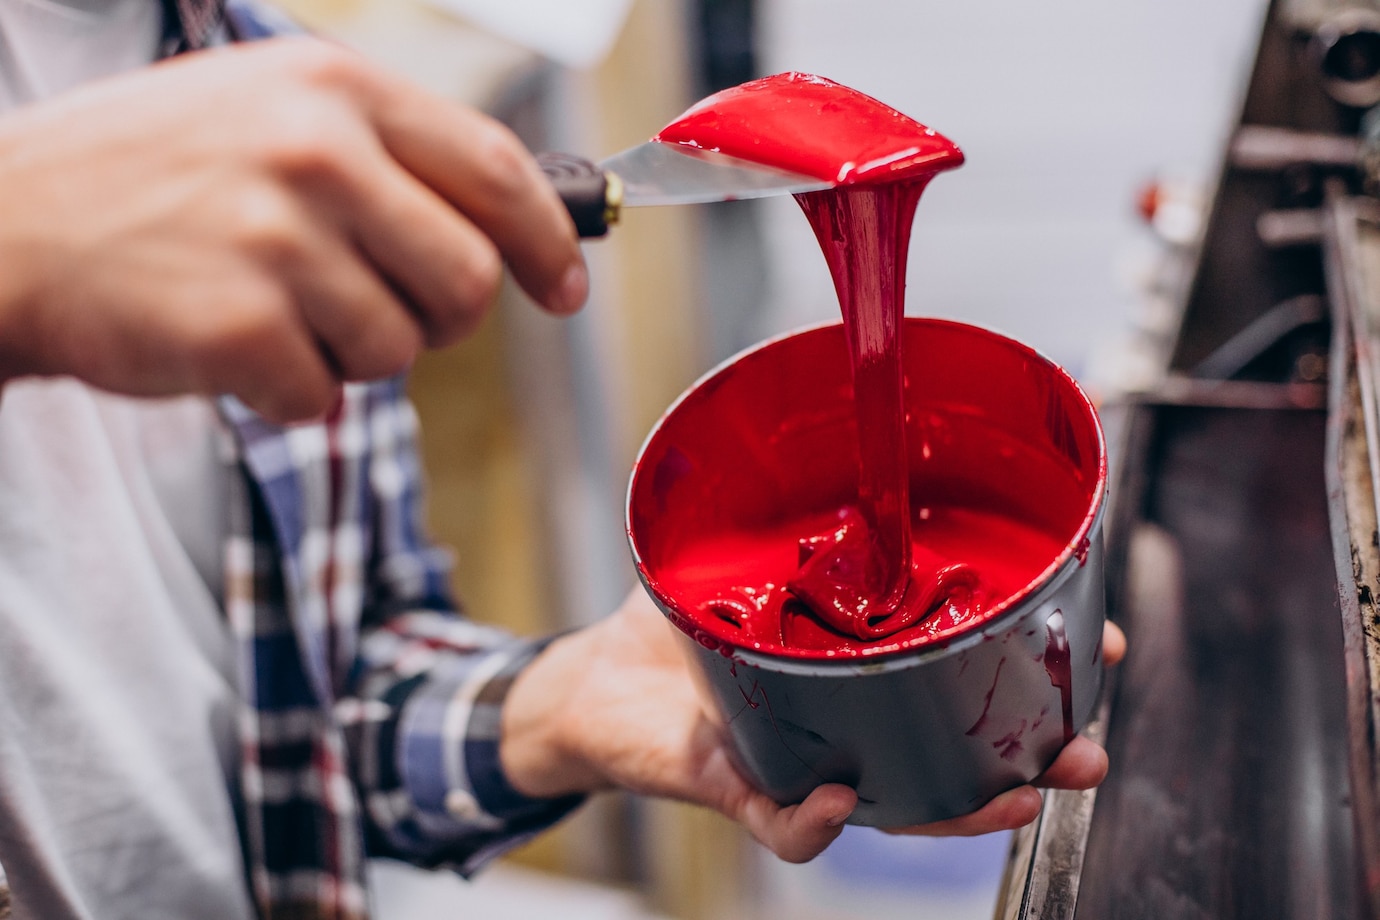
229 664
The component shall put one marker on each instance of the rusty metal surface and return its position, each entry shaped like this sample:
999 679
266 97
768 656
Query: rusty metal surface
1354 528
1352 252
1229 791
1243 552
1046 863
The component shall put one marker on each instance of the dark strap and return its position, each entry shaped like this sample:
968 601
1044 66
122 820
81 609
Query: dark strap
193 22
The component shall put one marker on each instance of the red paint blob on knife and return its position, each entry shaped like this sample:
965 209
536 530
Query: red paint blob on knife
811 125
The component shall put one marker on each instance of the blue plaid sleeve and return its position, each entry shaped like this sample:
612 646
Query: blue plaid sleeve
421 706
423 709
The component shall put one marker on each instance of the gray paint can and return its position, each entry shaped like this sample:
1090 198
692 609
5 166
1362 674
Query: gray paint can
936 730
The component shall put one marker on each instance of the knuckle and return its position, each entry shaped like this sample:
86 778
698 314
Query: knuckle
256 348
309 140
287 391
269 226
381 352
505 165
478 280
295 400
308 127
324 63
484 275
256 326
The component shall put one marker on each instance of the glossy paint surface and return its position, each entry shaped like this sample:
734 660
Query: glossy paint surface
1006 472
811 125
867 585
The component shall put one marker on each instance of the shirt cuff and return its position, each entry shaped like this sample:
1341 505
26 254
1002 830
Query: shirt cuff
449 759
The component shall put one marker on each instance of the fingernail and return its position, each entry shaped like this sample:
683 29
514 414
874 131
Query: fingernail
836 820
573 290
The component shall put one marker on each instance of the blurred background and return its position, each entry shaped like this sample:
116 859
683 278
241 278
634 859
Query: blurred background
1078 118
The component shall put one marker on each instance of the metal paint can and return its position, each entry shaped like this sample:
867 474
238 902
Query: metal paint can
926 732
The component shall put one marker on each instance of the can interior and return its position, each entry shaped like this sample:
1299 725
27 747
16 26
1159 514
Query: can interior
991 424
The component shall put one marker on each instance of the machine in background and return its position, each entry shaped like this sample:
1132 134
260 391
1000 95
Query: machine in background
1244 555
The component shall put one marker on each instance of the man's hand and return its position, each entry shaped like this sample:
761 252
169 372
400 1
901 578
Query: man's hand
265 220
614 705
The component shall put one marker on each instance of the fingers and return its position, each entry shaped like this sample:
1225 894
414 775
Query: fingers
265 355
364 329
1113 643
481 169
448 269
801 832
318 293
798 833
1080 765
1013 808
303 219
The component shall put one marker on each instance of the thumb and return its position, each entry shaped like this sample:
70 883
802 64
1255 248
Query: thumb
798 833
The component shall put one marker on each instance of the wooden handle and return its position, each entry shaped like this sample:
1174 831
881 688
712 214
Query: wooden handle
593 197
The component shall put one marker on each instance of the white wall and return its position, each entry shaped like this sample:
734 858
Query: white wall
1064 109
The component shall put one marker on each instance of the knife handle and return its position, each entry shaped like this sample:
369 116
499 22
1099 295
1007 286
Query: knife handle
593 197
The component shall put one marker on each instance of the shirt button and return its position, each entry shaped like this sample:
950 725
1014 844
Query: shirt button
462 805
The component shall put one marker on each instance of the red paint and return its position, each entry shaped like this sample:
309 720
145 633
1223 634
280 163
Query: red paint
764 453
1007 552
1059 667
851 544
1009 746
1080 550
864 586
980 725
810 125
857 575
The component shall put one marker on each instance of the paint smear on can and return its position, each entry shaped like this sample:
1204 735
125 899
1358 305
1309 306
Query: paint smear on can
1059 667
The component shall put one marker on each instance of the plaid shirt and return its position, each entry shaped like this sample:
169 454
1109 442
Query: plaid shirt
372 715
371 712
370 709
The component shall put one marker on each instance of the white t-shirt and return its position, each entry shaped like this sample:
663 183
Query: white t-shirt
117 670
47 46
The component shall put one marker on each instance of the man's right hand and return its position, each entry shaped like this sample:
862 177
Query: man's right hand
265 220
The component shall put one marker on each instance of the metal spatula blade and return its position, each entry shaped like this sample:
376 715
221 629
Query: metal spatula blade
661 174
